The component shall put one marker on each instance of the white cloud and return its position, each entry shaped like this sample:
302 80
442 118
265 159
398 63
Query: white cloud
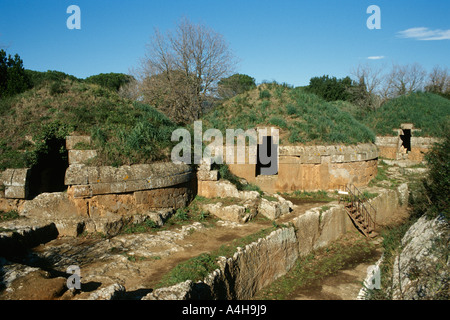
423 33
375 57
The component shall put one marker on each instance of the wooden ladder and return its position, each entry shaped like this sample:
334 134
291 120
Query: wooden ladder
358 209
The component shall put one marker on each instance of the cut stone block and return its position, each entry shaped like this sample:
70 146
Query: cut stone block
208 175
20 177
81 191
71 141
234 212
81 156
76 174
7 176
269 209
15 192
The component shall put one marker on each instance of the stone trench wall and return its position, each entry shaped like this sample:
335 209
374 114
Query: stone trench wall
316 167
261 262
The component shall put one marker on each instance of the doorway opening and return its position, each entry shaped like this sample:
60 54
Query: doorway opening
406 139
48 173
267 157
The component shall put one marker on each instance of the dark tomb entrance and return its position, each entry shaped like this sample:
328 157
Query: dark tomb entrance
406 139
47 175
267 157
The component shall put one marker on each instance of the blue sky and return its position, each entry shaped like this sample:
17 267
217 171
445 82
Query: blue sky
285 40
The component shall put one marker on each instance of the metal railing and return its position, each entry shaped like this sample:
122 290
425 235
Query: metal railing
359 201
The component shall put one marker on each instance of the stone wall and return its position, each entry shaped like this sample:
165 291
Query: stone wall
15 183
391 147
129 189
78 156
261 262
316 168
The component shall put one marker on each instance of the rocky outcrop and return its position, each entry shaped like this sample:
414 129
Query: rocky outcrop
180 291
112 292
274 209
233 212
422 269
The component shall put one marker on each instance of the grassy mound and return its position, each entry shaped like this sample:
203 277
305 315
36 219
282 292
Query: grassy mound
124 132
428 112
302 118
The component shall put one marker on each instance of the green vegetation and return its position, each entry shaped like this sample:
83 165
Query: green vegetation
427 111
235 84
40 79
323 209
124 132
13 78
330 88
112 81
381 174
9 215
225 173
431 196
437 183
303 118
143 227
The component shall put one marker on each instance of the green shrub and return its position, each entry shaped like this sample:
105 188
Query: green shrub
291 109
57 88
265 94
235 84
9 215
13 78
437 182
330 88
112 81
279 122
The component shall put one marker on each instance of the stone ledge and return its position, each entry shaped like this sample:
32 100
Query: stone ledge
333 154
89 190
80 174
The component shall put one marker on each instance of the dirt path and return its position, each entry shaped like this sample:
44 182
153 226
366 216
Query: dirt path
207 240
345 285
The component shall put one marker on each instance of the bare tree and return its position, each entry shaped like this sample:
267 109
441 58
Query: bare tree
369 79
370 76
131 90
404 79
182 68
438 80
